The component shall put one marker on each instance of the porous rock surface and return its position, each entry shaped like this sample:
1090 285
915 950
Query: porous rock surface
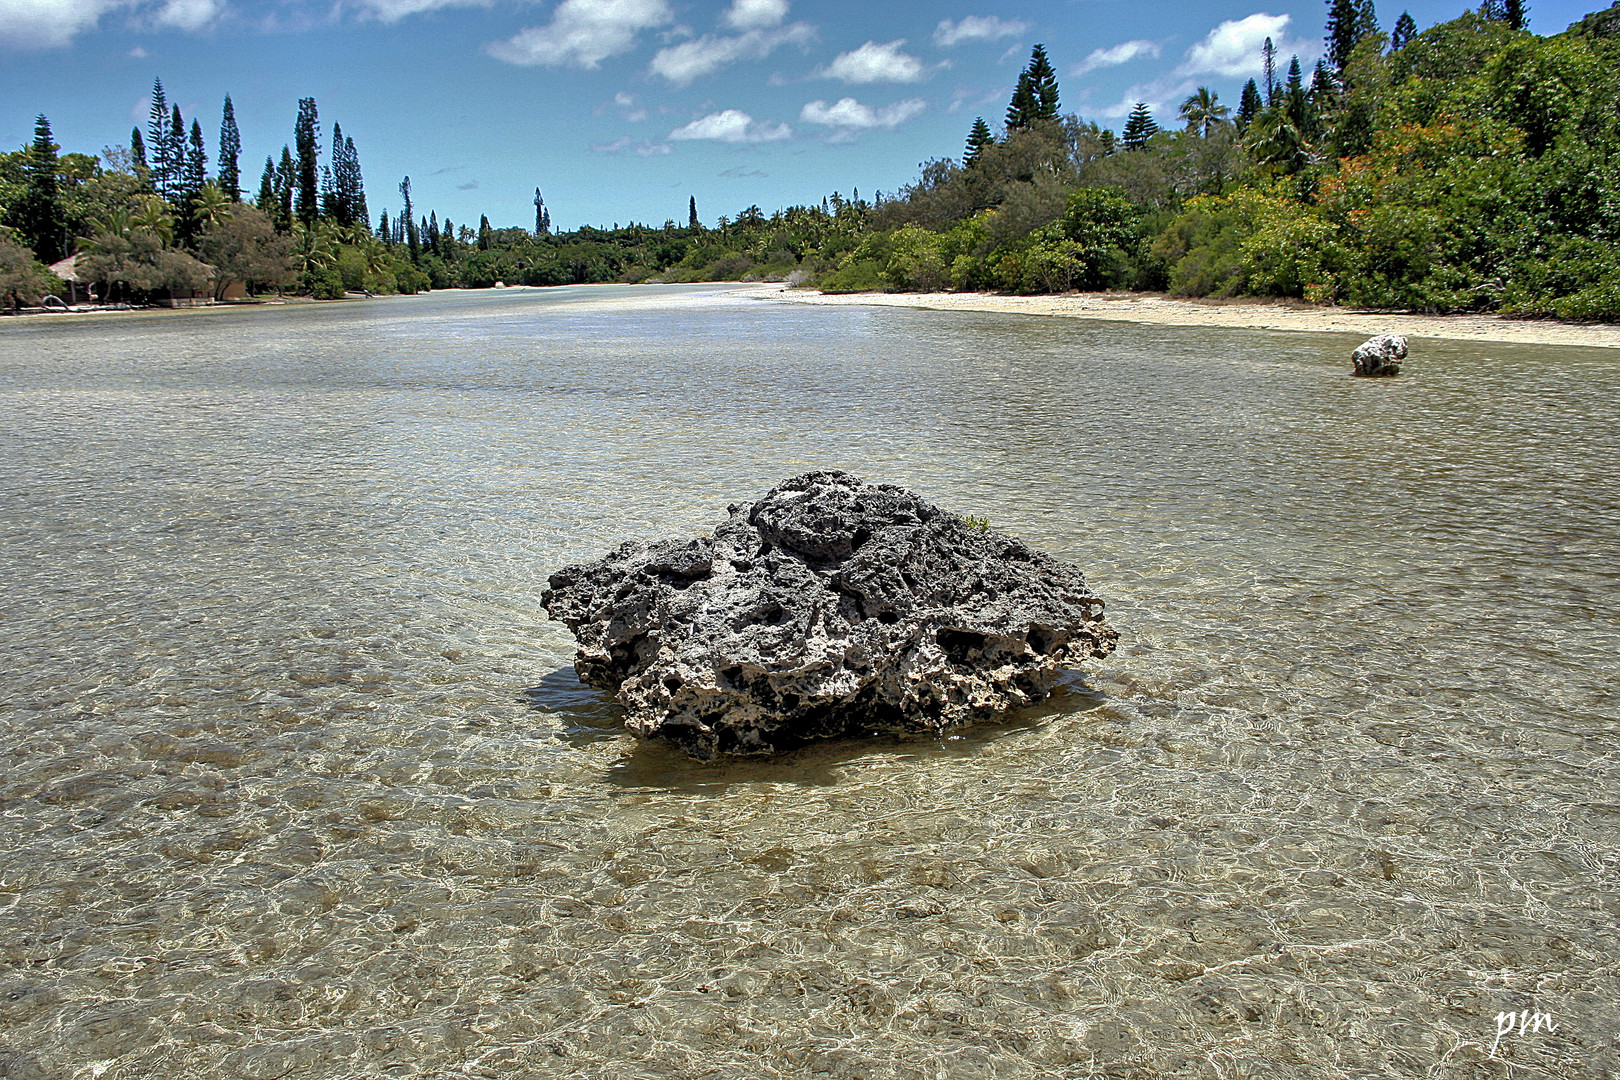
1381 355
829 606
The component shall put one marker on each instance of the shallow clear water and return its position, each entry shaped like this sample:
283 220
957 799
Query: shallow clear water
297 780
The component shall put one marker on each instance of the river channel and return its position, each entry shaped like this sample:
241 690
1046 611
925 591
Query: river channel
298 781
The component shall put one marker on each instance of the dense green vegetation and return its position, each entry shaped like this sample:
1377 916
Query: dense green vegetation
1474 166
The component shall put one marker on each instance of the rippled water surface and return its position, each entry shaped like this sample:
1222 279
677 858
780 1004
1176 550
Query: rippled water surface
297 780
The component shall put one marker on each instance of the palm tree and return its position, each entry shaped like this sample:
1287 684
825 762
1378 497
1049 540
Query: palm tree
211 206
153 217
1277 144
312 247
1202 112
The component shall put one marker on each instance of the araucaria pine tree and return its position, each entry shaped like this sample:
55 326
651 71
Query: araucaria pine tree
1268 71
1044 81
38 213
195 173
1249 105
137 156
412 238
1405 30
1366 19
1139 127
978 138
1036 96
1516 14
1024 105
176 147
286 184
267 189
542 216
230 152
307 139
354 184
1295 104
1324 91
1343 31
329 207
163 166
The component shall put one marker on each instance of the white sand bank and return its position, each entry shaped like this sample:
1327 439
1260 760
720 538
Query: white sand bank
1237 314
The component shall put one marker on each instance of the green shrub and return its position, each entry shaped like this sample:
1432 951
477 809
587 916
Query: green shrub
856 275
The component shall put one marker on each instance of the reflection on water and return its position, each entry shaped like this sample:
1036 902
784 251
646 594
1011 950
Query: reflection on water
296 781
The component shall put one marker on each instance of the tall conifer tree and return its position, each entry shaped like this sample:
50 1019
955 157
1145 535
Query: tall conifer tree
1249 105
1366 19
411 237
1294 103
1044 82
978 138
267 189
1324 91
354 183
157 140
38 213
195 174
691 213
176 148
1268 62
286 184
1024 105
230 153
137 156
1516 13
307 139
1139 127
1343 31
329 196
1405 30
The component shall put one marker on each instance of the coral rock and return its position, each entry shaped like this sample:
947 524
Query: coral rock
828 607
1381 355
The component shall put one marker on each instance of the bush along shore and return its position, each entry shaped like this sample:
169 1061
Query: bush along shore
1468 167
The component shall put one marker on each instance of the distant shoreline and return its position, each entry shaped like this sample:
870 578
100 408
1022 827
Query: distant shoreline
1245 314
1154 309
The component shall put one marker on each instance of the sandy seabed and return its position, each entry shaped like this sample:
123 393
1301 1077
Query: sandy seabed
1235 314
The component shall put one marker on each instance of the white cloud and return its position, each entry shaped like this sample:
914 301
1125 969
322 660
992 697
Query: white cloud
188 14
583 33
731 126
690 60
756 14
1232 49
977 28
873 63
50 24
1116 55
850 114
395 10
623 143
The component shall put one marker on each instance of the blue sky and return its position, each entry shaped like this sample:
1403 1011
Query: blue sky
621 109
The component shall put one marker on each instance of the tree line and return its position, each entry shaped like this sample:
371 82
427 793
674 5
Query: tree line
1470 166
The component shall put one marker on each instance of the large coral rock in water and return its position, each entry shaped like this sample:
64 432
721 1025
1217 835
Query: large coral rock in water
1381 355
829 606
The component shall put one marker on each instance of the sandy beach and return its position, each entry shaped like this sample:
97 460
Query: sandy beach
1236 314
